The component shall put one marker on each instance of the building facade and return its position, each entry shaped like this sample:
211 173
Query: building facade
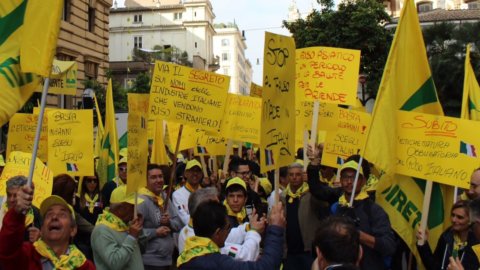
229 44
83 38
176 29
393 7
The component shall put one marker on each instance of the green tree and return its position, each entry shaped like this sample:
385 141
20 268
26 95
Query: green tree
446 45
354 25
141 84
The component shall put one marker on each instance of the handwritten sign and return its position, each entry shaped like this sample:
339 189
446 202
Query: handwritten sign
21 135
278 98
242 118
328 74
188 139
63 79
18 163
255 90
348 138
214 145
327 115
437 148
137 141
70 142
189 96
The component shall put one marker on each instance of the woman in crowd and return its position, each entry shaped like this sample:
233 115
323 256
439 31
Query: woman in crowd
89 202
457 241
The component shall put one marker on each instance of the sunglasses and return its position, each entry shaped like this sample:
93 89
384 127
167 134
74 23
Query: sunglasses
122 169
91 180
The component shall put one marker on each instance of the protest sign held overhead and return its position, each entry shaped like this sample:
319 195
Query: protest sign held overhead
70 142
21 135
255 90
63 79
137 141
438 148
188 96
278 98
242 118
18 163
328 74
348 137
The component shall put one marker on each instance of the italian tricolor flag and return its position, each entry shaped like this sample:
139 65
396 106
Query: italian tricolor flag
468 149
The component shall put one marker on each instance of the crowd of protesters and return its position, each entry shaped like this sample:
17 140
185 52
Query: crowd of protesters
232 220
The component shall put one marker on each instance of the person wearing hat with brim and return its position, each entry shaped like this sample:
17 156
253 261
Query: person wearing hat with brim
193 175
54 249
376 235
118 235
116 182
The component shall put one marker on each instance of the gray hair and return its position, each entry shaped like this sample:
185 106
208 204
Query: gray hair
16 181
199 196
295 165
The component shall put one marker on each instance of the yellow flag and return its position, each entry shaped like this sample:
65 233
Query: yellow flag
17 18
159 153
471 91
100 129
407 85
108 159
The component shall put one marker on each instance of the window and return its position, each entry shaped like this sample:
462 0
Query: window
474 5
137 42
91 70
195 44
225 56
424 7
177 16
67 5
225 42
91 19
137 18
225 71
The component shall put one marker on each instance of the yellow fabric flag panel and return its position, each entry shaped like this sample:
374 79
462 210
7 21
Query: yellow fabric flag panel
278 97
70 142
437 148
328 74
189 96
18 163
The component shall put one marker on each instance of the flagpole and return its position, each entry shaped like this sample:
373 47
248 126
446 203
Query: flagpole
352 197
227 158
174 165
277 186
305 147
43 101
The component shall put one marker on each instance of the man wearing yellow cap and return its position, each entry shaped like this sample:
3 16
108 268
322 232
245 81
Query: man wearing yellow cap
376 235
194 175
118 235
53 250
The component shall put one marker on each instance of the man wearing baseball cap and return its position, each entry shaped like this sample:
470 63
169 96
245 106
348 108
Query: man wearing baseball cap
376 235
54 249
194 175
118 235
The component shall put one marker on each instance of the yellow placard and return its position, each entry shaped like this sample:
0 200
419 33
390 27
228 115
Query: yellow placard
242 119
348 138
437 148
255 90
158 151
327 112
188 139
189 96
214 145
63 79
328 74
21 135
278 98
18 163
70 142
137 141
